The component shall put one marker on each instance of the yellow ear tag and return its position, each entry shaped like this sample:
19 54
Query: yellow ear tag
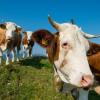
44 42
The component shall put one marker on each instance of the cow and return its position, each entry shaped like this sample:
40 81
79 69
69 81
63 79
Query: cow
12 39
27 43
67 51
3 43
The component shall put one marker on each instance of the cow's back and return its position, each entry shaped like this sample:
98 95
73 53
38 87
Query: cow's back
94 55
94 61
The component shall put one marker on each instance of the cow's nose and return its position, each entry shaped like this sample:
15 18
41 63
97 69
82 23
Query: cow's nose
87 81
65 45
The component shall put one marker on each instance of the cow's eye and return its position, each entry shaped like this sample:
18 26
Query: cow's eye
65 44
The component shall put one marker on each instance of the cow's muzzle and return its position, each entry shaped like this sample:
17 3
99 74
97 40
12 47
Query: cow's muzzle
87 81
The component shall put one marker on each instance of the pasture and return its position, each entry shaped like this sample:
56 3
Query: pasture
31 79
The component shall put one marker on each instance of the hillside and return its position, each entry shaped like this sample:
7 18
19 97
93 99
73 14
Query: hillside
30 79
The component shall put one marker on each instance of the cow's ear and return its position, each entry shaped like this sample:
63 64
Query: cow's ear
43 37
18 29
24 32
3 26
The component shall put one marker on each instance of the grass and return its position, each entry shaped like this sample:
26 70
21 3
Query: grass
30 79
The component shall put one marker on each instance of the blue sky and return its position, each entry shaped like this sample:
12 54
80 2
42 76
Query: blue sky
32 14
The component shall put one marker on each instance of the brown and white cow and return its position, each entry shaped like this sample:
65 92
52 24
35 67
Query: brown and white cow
3 43
27 43
12 40
67 50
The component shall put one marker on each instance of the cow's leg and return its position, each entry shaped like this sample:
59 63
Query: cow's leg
22 51
11 56
83 94
30 52
7 58
30 49
7 61
17 53
27 53
23 55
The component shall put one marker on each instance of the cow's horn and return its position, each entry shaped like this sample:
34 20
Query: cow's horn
89 36
53 23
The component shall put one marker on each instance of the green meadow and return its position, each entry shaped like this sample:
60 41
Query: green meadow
31 79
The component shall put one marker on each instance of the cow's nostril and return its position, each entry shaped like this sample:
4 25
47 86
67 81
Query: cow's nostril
82 78
87 81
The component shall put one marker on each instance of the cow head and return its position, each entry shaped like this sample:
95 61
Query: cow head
11 28
10 34
70 47
27 38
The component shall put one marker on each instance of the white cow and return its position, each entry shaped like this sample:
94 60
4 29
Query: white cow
12 41
67 51
27 44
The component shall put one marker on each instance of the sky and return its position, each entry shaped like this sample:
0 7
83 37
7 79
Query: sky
32 15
